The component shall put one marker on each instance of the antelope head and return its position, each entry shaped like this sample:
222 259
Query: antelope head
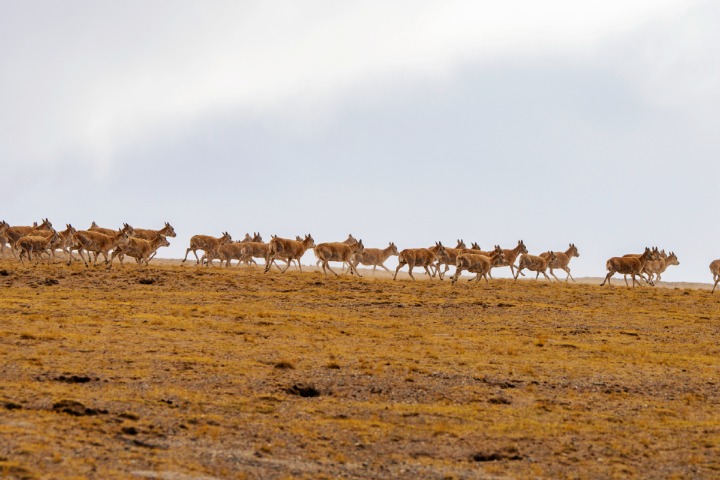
521 244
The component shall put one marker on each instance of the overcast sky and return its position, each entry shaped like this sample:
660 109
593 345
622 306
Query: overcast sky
594 122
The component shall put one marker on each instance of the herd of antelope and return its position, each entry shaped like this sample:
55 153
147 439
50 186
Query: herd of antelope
42 239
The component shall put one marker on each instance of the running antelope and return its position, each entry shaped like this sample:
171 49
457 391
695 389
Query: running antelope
658 267
36 243
206 243
452 254
229 251
420 257
108 231
562 259
478 264
288 250
140 249
150 235
252 250
14 234
97 243
348 241
65 242
715 270
375 257
60 240
658 253
511 255
537 264
629 265
338 252
3 238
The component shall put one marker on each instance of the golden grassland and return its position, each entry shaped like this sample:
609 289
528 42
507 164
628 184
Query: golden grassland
182 373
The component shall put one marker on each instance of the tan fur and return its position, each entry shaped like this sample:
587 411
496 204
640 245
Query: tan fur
288 250
658 253
535 263
109 231
348 241
66 240
629 265
562 260
338 252
452 254
511 255
715 270
3 237
97 243
36 243
140 249
207 244
478 264
420 257
376 257
13 234
657 267
252 250
57 240
149 234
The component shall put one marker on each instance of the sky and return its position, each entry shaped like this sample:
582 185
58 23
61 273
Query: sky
560 121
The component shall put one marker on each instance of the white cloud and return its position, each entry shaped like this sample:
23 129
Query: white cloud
83 79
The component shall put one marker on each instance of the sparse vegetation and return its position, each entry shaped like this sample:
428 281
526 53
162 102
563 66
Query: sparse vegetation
232 373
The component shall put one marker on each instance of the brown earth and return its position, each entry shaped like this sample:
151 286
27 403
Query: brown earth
182 373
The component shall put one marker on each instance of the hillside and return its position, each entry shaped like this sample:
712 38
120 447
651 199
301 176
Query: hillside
178 372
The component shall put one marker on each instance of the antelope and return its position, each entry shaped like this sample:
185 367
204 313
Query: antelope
658 267
287 250
3 238
348 241
420 257
228 251
150 235
562 259
13 234
66 242
375 257
109 231
660 254
629 266
478 264
97 243
338 252
252 250
60 240
140 249
715 270
537 264
511 255
452 254
206 243
36 243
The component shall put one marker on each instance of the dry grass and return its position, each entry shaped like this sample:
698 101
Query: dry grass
231 373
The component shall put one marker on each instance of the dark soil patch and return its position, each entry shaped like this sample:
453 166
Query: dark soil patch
302 390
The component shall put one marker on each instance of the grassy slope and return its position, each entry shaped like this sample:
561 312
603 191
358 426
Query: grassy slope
416 380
